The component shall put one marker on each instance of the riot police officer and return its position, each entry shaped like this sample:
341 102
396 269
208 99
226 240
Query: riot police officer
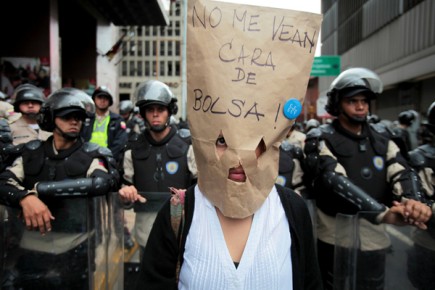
421 259
290 173
105 128
135 124
311 124
28 102
403 137
159 158
61 166
354 166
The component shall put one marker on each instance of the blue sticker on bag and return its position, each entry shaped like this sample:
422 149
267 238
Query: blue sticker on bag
292 109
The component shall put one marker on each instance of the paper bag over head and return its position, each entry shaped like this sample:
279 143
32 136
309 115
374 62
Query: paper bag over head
247 69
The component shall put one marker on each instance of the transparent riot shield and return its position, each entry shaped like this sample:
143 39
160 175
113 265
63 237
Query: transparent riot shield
3 218
82 251
371 256
145 214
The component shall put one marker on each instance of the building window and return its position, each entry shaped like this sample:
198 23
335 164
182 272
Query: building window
147 31
177 48
147 69
125 85
154 29
169 47
177 68
147 48
132 70
162 68
124 50
139 48
177 28
139 68
162 48
177 10
139 31
170 69
124 68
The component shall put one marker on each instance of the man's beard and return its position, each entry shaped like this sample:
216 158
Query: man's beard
356 120
71 136
159 128
32 116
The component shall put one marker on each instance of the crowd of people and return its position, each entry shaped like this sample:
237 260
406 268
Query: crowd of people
235 236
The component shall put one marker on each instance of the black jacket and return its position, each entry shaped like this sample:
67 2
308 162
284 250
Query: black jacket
117 132
162 250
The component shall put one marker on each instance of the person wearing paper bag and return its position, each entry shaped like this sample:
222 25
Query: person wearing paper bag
239 230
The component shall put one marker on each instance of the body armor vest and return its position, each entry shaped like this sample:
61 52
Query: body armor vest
287 154
158 166
364 159
428 151
40 163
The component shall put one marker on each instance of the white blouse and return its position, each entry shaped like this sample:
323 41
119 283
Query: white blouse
266 260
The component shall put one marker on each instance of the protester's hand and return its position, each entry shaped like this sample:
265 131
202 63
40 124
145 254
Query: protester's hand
36 214
130 194
416 212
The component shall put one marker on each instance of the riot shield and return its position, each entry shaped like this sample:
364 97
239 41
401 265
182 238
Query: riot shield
145 214
382 256
82 251
2 237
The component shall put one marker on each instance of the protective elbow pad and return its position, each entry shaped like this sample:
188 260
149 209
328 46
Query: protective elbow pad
74 187
350 192
411 186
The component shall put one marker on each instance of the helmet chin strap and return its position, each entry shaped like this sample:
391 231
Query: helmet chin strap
354 120
159 128
32 116
68 136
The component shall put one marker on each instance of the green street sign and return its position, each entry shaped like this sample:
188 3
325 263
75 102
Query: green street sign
326 65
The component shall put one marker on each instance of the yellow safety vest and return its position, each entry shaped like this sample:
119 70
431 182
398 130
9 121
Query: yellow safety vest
99 132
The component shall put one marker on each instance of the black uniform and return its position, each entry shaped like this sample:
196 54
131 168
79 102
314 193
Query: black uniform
290 174
117 133
156 167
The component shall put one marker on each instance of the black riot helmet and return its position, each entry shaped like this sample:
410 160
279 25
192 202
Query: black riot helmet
431 118
154 92
350 83
63 102
406 117
125 107
311 123
27 92
103 91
